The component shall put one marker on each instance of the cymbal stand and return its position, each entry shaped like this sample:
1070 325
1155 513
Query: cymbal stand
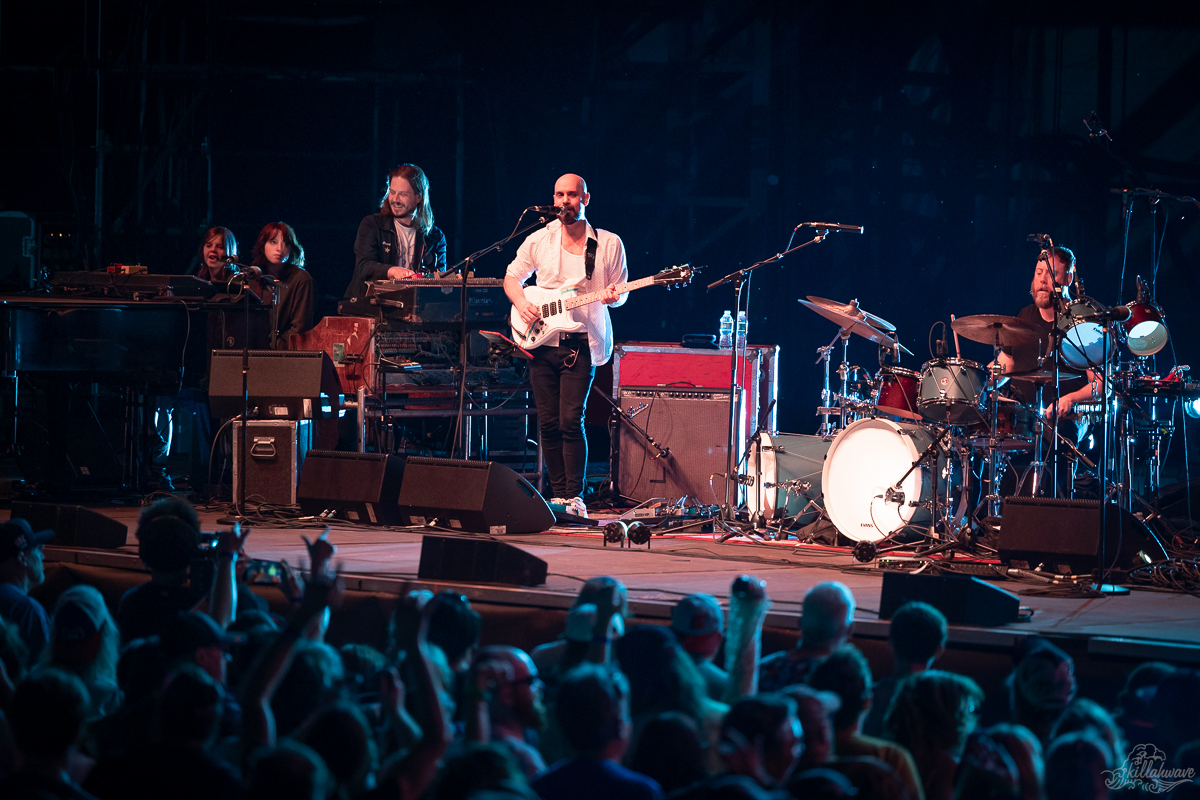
1037 467
833 404
993 465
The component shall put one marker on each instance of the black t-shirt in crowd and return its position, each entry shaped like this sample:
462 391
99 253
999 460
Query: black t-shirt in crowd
151 608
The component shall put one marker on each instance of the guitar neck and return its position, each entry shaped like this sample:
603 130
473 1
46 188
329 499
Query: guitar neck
594 297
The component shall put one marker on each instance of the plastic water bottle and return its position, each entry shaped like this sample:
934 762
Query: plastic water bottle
726 329
741 330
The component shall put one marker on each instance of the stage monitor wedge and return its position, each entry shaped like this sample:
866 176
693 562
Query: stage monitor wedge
472 496
450 558
962 599
1063 536
73 526
360 487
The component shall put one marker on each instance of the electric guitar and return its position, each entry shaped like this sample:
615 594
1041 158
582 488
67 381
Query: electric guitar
556 307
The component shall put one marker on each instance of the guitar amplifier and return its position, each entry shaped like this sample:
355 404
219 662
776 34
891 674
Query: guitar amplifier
693 424
661 365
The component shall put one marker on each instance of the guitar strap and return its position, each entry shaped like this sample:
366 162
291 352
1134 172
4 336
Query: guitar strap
589 258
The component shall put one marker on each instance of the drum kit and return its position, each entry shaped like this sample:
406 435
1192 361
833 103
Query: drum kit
905 454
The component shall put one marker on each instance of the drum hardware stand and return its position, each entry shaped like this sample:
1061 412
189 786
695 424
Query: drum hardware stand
1102 585
895 492
834 404
993 495
740 278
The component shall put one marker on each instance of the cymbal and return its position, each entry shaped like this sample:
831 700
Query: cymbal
852 309
987 328
855 325
1042 375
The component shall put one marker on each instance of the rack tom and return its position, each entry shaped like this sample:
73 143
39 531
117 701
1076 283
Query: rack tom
896 392
952 391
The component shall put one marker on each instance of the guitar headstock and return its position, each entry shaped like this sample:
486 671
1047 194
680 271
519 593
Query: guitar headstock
672 277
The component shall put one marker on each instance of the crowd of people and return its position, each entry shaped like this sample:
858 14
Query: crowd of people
193 688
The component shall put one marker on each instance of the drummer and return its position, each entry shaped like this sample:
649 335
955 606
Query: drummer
1025 357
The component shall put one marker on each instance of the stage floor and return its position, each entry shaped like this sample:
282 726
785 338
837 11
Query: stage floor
1144 624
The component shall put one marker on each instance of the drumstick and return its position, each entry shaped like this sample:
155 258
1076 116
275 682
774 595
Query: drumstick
956 353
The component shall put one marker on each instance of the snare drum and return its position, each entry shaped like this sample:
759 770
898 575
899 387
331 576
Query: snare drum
791 476
951 391
1015 426
896 392
864 463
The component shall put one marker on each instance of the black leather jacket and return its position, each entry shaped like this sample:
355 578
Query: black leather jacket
376 250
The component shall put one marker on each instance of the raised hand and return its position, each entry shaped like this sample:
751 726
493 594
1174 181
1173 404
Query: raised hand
319 551
232 540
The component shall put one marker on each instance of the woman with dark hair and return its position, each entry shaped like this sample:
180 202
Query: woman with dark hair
278 254
216 247
932 714
401 240
662 678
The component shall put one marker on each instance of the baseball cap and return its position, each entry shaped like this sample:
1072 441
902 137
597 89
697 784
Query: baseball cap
697 615
16 535
193 630
79 614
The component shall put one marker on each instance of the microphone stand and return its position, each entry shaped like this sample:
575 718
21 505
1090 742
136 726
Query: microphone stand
241 273
239 504
739 280
464 269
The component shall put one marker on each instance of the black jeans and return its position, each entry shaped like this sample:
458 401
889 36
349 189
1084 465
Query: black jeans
561 378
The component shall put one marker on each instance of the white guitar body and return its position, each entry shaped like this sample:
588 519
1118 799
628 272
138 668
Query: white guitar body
556 317
556 306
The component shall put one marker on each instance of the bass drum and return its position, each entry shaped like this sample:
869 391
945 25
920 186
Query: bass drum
866 460
794 460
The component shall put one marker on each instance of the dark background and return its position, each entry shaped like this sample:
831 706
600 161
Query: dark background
706 131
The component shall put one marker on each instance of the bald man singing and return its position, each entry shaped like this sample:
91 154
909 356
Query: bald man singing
570 256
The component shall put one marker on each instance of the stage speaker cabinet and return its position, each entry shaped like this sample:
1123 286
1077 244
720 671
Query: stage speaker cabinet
474 496
693 424
282 384
73 526
962 599
360 487
450 558
1063 536
275 451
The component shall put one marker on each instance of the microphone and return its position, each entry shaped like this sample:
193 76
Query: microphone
831 226
1042 239
552 210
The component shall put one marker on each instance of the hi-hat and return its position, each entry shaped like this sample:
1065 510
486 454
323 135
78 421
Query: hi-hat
996 329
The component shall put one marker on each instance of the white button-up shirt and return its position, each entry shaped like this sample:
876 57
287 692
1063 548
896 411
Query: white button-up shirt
541 252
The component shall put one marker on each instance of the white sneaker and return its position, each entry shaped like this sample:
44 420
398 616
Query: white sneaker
557 501
575 506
